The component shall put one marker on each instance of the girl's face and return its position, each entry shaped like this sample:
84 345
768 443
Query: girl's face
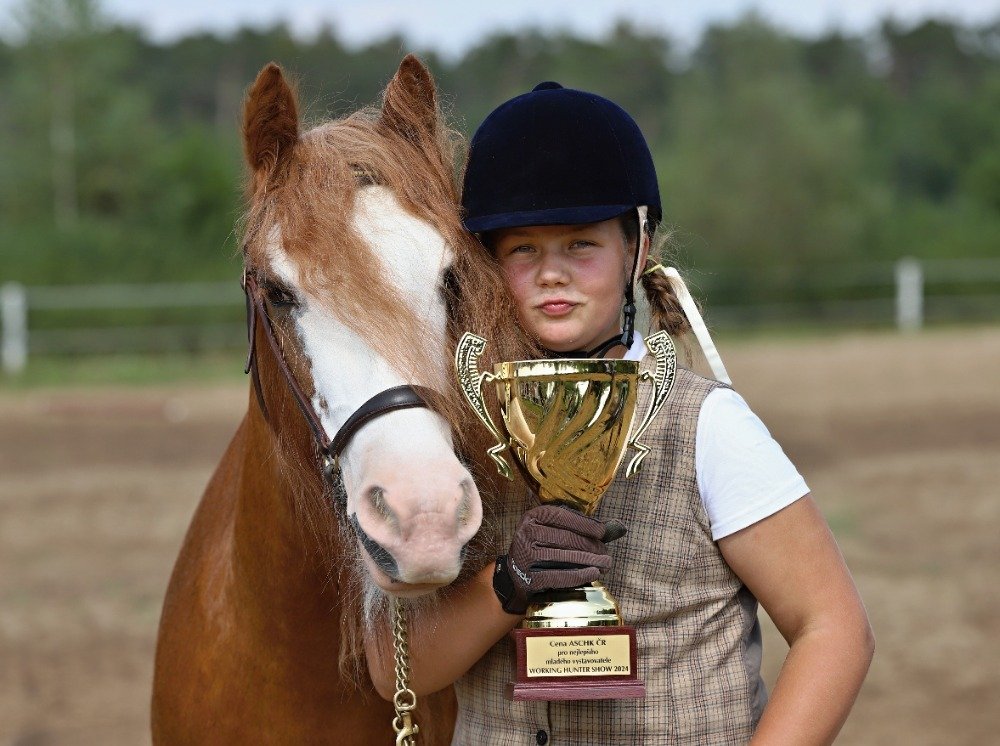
568 280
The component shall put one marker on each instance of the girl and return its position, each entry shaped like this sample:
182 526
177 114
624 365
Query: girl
561 188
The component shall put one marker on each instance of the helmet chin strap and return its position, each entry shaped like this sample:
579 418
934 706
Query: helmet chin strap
628 324
598 351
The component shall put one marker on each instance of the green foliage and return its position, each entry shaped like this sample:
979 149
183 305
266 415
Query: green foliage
95 187
121 158
761 168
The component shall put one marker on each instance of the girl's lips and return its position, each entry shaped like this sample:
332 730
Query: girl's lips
556 307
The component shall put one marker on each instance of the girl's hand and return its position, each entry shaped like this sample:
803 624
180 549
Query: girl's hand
553 547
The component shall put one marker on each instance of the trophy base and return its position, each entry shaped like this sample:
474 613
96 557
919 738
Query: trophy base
575 663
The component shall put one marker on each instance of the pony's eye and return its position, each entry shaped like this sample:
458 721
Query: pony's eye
279 296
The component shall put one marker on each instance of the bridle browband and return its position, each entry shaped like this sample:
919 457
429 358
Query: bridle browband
390 400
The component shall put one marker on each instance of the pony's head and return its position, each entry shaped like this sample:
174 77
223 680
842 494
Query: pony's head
353 236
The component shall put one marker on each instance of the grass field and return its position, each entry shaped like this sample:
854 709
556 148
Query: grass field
898 436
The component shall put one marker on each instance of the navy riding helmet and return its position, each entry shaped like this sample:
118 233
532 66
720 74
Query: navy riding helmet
559 156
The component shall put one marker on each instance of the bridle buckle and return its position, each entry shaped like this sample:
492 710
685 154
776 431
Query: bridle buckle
330 466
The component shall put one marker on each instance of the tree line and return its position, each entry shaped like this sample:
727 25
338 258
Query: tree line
121 158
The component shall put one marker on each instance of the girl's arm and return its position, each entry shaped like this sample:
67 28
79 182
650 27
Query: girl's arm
791 563
552 547
446 641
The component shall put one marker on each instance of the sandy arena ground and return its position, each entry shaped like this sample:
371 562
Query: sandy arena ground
899 437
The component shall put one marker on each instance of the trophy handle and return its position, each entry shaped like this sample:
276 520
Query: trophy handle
662 376
470 347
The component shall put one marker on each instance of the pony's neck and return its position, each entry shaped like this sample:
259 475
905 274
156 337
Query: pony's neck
278 573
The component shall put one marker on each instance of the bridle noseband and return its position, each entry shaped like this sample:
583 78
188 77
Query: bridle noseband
390 400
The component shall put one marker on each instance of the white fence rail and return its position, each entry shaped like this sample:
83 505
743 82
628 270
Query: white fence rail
18 303
14 309
907 293
911 291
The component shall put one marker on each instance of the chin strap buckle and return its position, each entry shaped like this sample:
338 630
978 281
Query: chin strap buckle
629 325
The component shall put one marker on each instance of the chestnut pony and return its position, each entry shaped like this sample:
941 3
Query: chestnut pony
355 266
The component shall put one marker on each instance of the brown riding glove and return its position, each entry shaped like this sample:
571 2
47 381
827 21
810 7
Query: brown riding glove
553 547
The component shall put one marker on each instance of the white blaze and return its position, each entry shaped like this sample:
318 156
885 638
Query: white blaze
407 453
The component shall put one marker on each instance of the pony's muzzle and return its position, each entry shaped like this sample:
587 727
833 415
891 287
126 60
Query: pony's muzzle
416 539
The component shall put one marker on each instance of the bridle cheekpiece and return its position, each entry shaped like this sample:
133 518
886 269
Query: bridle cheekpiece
330 449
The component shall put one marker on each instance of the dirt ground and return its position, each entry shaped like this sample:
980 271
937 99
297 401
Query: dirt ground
898 436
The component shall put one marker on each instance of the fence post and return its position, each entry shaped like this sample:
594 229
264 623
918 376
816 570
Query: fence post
909 295
14 314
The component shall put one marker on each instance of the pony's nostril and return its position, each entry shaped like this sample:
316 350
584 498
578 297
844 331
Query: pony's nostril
381 556
465 504
376 496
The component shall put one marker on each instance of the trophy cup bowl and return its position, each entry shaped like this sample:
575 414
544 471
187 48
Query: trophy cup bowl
567 424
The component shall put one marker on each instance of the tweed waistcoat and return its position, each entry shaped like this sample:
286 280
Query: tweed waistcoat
697 634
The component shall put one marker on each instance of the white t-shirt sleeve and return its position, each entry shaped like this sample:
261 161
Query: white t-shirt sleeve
743 475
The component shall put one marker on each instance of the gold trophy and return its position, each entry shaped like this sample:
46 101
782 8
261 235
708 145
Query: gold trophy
568 424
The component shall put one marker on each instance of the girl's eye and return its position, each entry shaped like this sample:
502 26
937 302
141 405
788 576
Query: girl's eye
581 244
522 249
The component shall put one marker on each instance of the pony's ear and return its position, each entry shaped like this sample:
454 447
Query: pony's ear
410 106
270 122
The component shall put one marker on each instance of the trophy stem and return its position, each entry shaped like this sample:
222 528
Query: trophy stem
584 606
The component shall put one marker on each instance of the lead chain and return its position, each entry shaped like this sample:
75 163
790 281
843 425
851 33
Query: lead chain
404 700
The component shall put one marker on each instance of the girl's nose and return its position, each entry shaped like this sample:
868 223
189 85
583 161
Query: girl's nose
552 269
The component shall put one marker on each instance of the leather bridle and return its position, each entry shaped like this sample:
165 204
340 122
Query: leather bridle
384 402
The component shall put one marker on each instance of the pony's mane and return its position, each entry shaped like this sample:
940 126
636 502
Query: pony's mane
312 202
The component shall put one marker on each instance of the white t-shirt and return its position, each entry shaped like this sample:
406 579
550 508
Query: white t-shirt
743 475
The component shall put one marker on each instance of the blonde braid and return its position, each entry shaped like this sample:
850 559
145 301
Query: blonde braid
664 309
